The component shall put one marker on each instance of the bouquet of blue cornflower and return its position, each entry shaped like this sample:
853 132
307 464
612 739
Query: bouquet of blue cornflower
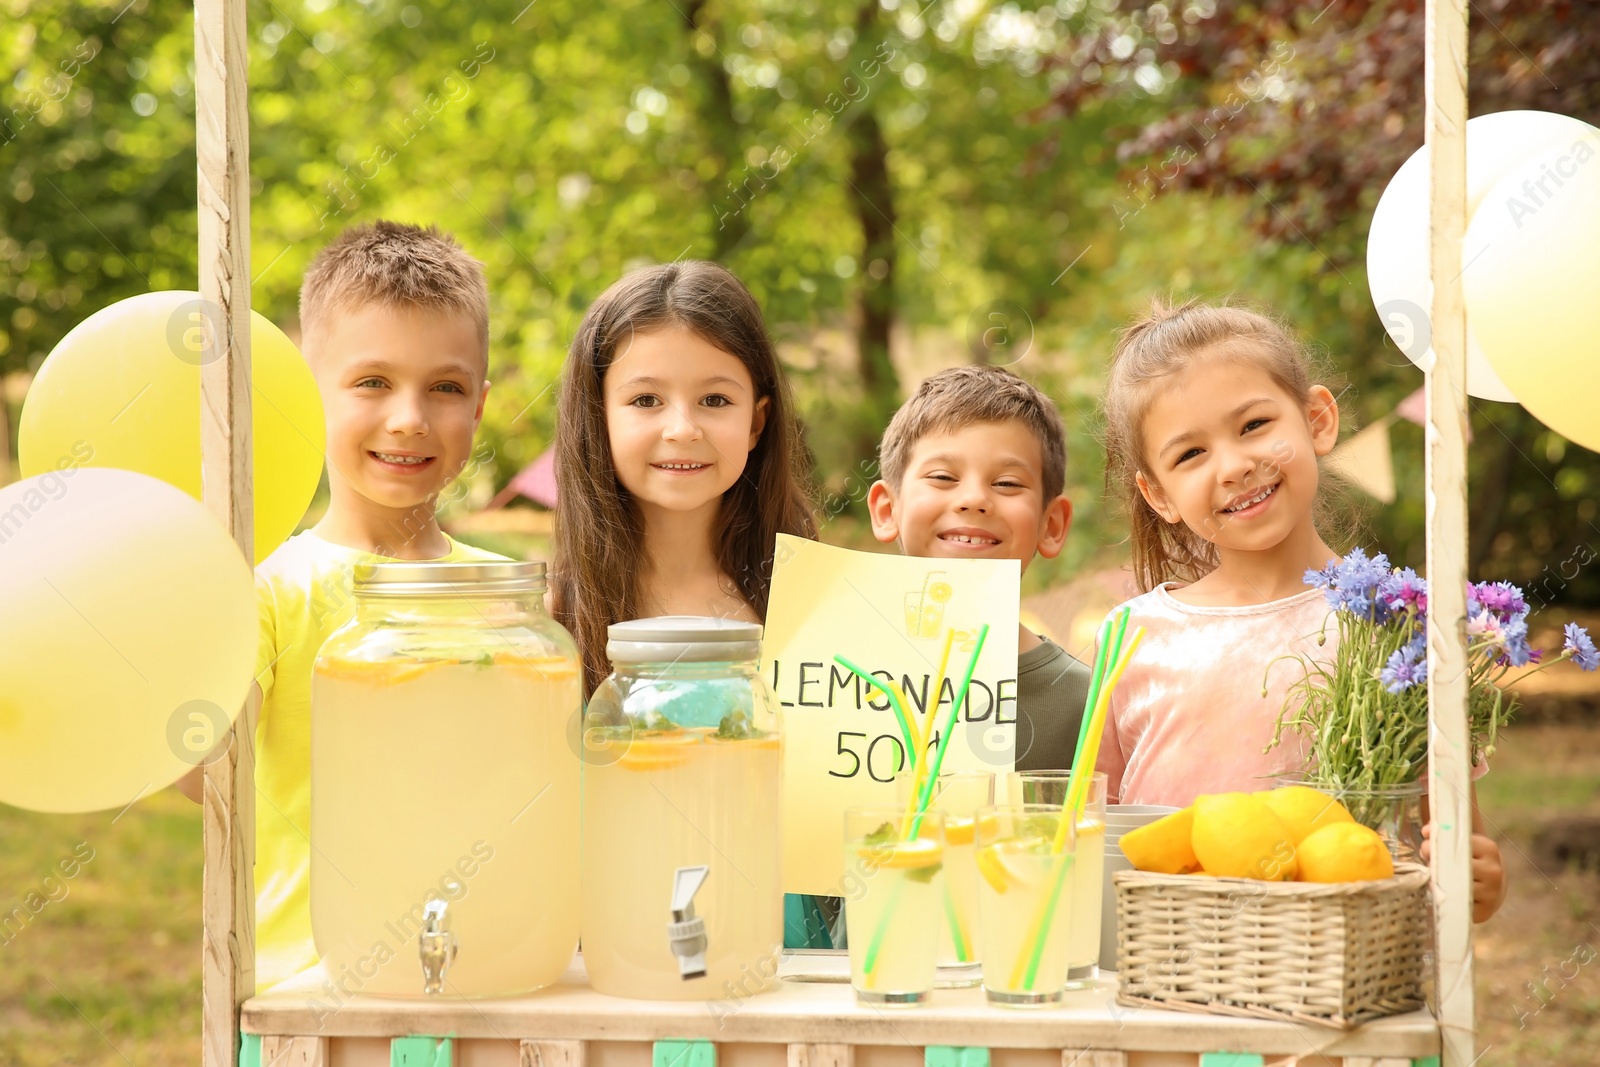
1365 712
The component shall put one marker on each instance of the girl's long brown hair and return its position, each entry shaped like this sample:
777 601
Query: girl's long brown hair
599 536
1164 341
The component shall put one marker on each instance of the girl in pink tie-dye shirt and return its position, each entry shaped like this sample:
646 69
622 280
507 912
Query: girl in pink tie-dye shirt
1214 428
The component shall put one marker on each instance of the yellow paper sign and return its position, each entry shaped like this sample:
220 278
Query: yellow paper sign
888 615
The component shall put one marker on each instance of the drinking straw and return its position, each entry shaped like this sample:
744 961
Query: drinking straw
919 761
1089 733
949 728
958 936
870 964
1078 795
894 702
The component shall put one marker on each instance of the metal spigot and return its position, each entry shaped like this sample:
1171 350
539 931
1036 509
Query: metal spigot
687 932
436 944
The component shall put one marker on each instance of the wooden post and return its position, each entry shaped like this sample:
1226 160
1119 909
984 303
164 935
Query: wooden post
222 143
1449 748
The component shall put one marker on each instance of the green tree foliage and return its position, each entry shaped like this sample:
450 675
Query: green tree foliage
953 181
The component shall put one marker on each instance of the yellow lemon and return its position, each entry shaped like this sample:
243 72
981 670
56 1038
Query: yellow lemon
1008 863
1344 852
1162 846
993 871
920 852
657 752
1304 810
959 831
939 592
1236 835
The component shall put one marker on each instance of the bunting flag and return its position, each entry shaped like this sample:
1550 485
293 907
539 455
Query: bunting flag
1366 461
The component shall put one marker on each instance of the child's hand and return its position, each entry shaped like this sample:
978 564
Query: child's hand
1488 873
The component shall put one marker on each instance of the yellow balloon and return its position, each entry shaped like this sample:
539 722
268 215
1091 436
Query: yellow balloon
1397 243
1533 293
123 390
127 639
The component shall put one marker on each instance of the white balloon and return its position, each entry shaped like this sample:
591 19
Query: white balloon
1397 243
128 636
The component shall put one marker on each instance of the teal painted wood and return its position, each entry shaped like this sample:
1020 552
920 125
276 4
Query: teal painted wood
420 1052
249 1050
954 1056
1232 1059
674 1053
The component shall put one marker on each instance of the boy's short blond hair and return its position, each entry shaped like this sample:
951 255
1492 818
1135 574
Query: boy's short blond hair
962 396
393 263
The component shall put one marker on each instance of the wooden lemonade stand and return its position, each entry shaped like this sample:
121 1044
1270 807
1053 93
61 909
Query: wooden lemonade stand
811 1023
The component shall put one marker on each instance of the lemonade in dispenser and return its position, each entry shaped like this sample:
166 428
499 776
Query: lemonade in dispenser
681 847
444 790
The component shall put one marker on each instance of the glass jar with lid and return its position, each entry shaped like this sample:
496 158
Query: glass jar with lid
682 848
444 791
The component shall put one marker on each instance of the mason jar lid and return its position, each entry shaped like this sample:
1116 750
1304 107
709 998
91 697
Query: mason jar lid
433 578
683 639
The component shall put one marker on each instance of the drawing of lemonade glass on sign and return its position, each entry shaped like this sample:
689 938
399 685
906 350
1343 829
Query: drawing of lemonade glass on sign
925 606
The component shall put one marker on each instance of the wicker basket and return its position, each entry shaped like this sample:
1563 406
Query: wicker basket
1337 955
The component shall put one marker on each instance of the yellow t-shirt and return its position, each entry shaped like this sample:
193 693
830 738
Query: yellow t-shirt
303 593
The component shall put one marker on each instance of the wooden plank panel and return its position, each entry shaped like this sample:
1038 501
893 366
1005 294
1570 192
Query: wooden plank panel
822 1056
1446 509
222 143
281 1051
553 1054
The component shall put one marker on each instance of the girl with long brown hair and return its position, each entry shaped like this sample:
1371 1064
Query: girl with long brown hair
678 457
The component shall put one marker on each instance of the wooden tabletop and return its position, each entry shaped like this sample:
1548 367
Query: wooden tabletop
824 1010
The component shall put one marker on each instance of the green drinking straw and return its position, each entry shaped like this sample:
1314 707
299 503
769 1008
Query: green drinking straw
870 964
1079 791
949 728
894 702
958 936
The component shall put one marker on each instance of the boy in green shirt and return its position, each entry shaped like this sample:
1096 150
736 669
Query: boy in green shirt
973 466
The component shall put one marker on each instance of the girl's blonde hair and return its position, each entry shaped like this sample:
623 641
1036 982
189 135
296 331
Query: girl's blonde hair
1168 339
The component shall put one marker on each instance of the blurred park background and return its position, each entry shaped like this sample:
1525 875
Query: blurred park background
905 186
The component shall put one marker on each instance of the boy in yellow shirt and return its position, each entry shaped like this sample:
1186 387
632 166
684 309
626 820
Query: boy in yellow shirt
395 325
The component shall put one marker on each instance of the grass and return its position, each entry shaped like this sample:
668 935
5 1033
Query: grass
109 973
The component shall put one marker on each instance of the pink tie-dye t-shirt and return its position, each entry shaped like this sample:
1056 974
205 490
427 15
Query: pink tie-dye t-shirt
1189 716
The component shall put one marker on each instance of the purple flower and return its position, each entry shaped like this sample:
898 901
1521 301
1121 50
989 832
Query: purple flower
1356 584
1406 668
1502 598
1581 646
1518 653
1407 589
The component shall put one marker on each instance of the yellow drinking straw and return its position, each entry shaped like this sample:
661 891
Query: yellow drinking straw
870 964
919 760
1083 770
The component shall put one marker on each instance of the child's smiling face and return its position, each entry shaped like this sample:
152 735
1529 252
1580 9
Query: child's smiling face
1232 455
973 493
403 391
682 417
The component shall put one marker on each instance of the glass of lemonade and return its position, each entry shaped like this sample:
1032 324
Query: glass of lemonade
894 902
1026 908
960 795
681 767
442 781
1088 874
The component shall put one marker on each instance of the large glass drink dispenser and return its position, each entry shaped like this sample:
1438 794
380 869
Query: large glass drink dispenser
681 849
444 790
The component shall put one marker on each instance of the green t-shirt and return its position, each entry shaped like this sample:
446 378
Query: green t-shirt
1051 688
